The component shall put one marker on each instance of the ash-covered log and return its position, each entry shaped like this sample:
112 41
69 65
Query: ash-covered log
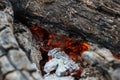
103 60
14 62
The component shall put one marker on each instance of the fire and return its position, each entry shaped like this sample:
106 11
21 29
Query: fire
72 47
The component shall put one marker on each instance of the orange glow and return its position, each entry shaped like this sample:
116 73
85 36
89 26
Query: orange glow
40 34
117 56
72 47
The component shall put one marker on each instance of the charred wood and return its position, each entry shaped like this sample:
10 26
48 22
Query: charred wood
14 64
94 21
89 20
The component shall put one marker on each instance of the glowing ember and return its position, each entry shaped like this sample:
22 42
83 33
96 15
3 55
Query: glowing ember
117 56
72 47
69 45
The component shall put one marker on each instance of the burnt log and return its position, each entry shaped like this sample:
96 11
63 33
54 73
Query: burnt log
93 21
103 60
14 62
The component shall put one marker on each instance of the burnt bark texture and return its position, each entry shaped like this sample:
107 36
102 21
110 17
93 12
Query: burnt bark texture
89 20
14 61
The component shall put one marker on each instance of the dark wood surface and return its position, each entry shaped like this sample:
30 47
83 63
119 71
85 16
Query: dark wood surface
90 20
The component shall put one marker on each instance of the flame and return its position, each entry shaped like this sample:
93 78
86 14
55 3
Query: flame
72 47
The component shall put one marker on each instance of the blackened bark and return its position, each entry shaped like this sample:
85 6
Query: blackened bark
94 21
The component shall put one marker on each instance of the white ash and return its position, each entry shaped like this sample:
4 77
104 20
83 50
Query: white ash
97 55
60 62
34 65
57 53
90 78
116 74
27 43
51 65
104 62
12 57
55 77
91 73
